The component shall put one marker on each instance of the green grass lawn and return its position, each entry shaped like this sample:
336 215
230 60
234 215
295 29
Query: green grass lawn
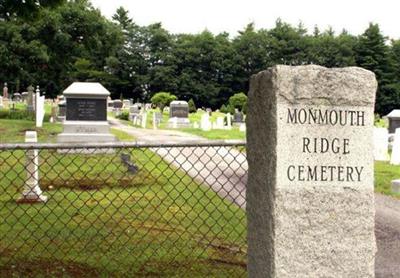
384 174
101 220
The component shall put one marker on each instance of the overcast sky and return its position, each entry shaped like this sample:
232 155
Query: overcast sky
190 16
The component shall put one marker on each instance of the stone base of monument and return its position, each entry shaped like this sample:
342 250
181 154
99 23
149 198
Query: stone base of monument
178 122
32 199
396 186
86 132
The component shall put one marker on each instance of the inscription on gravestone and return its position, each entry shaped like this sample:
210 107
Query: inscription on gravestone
86 109
179 112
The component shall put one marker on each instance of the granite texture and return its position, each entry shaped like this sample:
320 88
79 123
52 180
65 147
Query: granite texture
309 228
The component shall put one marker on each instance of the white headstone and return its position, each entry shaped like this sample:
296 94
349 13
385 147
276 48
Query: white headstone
228 121
32 192
39 111
144 119
395 158
205 122
242 127
381 144
154 121
395 186
220 123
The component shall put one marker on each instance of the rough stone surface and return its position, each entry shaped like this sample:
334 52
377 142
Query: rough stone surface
310 225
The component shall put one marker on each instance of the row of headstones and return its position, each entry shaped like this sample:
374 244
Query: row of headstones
35 104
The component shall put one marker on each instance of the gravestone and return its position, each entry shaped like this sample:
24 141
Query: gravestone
62 111
395 157
395 186
134 110
17 97
381 144
6 103
39 111
110 104
32 192
310 191
5 91
86 114
30 98
118 104
238 117
228 121
126 103
178 114
1 102
24 96
394 120
219 123
205 123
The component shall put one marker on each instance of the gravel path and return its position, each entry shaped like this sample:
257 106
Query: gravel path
210 168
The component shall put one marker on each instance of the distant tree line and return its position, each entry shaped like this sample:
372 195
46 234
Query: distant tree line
59 41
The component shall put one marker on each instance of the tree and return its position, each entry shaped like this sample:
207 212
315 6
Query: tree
373 54
238 100
192 106
162 99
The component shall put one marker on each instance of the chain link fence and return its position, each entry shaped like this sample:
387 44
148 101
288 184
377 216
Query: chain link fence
123 210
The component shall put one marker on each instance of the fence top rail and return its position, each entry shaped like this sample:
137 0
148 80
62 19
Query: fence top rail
117 145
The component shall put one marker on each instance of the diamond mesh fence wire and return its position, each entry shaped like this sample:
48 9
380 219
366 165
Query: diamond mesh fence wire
123 210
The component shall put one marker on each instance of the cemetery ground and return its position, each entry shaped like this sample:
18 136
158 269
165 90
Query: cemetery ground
92 228
214 134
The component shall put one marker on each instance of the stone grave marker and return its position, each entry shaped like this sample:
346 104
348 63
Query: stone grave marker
394 120
395 186
395 157
219 123
178 114
39 111
86 114
229 121
126 103
62 111
1 102
32 192
17 97
205 122
24 96
30 98
5 91
381 144
310 191
238 117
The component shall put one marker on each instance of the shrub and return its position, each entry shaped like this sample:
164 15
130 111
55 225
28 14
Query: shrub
238 100
162 99
124 115
192 106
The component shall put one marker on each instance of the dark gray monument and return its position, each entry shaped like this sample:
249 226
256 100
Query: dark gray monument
86 114
178 114
394 120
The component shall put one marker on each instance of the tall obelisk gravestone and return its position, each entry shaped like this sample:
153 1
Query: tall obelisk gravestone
310 198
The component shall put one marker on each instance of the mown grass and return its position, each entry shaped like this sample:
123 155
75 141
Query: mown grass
384 174
101 220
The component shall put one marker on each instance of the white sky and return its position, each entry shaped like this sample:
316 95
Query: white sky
193 16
